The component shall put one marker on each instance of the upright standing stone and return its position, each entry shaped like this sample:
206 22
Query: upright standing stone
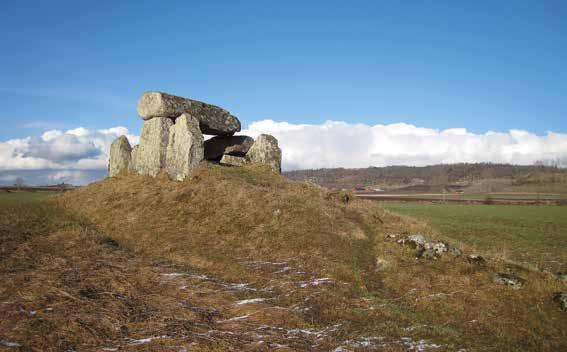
230 145
134 158
266 151
151 152
212 119
119 156
185 147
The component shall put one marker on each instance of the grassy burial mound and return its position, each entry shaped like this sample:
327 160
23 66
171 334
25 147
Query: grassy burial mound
243 259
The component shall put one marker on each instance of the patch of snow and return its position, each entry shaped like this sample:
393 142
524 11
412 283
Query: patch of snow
341 349
363 342
202 277
277 345
251 301
30 313
239 287
420 345
145 340
242 317
378 342
8 343
318 334
264 263
174 274
414 327
284 270
316 282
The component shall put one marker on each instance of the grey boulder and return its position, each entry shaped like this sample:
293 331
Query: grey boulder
511 280
212 119
233 160
152 150
185 147
217 146
437 247
120 155
476 259
561 299
414 241
265 151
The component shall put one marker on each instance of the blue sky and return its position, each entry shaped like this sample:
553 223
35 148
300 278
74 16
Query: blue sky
479 65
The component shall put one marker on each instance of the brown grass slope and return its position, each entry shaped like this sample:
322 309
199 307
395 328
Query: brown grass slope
228 221
223 217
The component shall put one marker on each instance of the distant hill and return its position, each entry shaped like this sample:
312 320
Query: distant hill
437 177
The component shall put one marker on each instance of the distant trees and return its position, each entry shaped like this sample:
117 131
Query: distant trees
449 174
19 183
556 162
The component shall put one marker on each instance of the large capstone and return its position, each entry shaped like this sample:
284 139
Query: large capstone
218 146
152 150
265 151
212 119
185 148
120 151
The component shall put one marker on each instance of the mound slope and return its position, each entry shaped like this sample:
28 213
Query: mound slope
223 217
321 258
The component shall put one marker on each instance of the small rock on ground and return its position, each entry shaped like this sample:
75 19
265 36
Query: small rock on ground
561 298
509 280
476 259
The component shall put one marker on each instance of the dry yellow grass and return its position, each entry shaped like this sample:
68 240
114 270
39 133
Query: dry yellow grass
248 225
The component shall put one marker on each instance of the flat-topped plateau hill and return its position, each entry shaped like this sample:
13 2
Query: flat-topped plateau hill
243 259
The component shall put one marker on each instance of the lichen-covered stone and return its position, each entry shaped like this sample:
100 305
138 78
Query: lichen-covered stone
217 146
185 147
151 152
233 160
437 247
120 154
133 158
414 241
265 151
212 119
509 280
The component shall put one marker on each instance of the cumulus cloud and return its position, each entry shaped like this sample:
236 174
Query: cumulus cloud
75 156
340 144
80 155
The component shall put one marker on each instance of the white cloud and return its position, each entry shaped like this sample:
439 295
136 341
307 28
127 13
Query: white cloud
80 155
339 144
75 154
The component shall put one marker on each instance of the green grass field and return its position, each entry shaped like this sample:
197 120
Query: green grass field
15 197
533 234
